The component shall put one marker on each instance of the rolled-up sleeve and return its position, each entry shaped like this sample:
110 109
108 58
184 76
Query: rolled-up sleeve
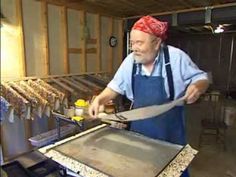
190 72
121 82
117 83
184 70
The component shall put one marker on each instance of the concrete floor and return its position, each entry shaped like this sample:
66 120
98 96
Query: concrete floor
212 160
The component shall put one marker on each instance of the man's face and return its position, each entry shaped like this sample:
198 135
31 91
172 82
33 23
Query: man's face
144 46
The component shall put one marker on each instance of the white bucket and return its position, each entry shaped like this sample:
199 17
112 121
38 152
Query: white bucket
69 112
230 115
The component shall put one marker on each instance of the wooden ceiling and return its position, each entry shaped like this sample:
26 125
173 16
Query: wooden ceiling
130 8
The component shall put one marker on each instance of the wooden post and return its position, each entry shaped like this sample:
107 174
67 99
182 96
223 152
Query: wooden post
83 41
44 14
65 39
28 131
120 40
27 123
21 38
110 49
98 44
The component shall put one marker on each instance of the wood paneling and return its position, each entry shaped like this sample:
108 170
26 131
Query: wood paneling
120 40
44 17
65 39
91 41
80 51
125 8
110 49
21 37
83 57
98 42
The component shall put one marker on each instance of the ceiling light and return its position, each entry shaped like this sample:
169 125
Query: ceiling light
219 29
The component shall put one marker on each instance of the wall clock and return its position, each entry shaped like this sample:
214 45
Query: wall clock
113 41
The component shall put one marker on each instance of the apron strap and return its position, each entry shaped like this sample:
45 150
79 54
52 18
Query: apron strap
169 72
133 73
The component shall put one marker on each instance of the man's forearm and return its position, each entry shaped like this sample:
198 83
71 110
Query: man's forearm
194 90
106 95
202 85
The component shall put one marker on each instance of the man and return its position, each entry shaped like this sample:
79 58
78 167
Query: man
155 74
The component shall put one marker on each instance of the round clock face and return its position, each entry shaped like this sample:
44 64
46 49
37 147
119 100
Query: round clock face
113 41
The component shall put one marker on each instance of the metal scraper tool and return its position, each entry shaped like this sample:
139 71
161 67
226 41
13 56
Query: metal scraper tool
142 113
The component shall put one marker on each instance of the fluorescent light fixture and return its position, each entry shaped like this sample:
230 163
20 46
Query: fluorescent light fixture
219 29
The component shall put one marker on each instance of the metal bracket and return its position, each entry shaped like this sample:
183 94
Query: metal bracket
208 15
174 19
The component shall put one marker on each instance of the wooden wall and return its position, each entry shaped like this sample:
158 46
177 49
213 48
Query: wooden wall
54 39
43 39
214 53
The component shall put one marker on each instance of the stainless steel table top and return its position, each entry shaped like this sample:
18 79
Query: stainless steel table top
120 153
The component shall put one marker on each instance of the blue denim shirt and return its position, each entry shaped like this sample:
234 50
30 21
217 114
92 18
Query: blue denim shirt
184 72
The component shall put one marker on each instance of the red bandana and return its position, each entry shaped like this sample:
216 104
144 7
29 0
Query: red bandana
152 26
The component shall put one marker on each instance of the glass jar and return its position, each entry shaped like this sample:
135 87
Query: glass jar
81 107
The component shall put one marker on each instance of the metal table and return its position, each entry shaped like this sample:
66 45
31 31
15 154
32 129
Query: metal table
104 151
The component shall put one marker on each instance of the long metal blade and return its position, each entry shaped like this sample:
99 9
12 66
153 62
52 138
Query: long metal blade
142 113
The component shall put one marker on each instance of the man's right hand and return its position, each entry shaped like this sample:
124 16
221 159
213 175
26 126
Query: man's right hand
94 108
104 97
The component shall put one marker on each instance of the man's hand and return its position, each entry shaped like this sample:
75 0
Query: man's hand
192 94
118 125
195 90
104 97
94 108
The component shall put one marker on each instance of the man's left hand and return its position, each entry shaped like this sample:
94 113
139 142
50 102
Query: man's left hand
192 94
194 90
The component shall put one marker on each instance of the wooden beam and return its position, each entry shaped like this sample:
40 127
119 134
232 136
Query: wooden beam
120 40
65 39
64 86
75 50
19 15
110 49
91 50
96 79
71 83
79 50
83 58
28 131
21 38
44 14
98 44
158 4
187 4
87 82
51 76
82 86
84 6
184 10
91 41
132 5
